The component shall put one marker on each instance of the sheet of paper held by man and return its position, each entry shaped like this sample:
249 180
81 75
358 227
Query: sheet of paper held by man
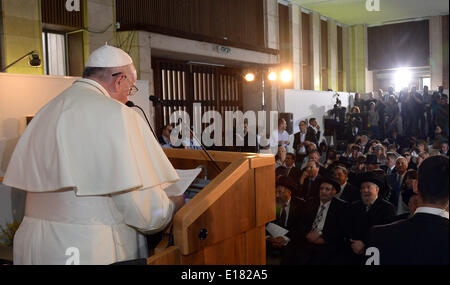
275 230
187 176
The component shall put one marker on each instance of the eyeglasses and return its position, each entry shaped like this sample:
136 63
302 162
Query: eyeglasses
133 88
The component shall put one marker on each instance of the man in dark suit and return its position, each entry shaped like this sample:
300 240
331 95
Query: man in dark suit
321 227
313 132
422 239
300 142
293 171
348 192
364 214
289 214
309 182
396 182
389 167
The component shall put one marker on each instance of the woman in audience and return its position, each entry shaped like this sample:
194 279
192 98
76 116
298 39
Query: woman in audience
280 157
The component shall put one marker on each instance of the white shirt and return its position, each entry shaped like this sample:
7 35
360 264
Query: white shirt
432 211
283 136
324 215
302 150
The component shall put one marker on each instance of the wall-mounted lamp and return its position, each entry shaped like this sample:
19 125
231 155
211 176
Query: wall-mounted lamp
34 60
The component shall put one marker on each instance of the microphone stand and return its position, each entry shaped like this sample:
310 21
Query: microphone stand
202 145
155 100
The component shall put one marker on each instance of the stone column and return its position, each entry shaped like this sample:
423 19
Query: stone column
332 55
435 26
101 18
315 49
346 58
271 30
295 25
357 50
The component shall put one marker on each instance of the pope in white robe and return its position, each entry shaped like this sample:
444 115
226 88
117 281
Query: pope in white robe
93 172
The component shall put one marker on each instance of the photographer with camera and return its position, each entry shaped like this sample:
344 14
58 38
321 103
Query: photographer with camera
354 124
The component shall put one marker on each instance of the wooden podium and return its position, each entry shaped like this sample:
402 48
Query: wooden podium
224 224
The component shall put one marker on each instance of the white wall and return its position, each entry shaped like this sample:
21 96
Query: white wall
306 104
22 96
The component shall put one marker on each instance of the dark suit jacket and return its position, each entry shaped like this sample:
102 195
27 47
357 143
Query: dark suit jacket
385 168
350 194
295 210
420 240
295 174
312 136
380 213
394 194
296 207
333 233
303 191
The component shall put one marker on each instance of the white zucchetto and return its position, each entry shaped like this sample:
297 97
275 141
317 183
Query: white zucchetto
108 56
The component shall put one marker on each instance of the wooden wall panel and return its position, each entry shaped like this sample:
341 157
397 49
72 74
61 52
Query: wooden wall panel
285 35
324 53
54 12
306 52
399 45
228 22
445 51
340 54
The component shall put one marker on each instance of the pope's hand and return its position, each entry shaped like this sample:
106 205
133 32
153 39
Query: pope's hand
178 201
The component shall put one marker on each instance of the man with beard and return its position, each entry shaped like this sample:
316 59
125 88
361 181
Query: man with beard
290 208
369 211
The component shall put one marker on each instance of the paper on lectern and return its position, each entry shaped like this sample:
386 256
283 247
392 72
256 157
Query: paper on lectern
186 178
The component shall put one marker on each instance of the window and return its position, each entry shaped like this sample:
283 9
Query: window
426 81
54 46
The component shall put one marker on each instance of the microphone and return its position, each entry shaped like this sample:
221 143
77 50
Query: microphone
132 105
155 100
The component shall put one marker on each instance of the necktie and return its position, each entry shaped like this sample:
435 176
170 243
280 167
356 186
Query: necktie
318 219
367 208
283 216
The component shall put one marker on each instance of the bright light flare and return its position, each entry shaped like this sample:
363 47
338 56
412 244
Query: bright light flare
272 76
286 75
402 79
249 77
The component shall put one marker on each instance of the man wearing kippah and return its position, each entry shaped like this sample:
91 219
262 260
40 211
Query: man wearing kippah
93 172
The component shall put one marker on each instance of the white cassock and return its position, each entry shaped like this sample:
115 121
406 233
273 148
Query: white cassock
94 176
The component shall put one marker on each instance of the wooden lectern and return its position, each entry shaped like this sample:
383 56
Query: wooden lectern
224 224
